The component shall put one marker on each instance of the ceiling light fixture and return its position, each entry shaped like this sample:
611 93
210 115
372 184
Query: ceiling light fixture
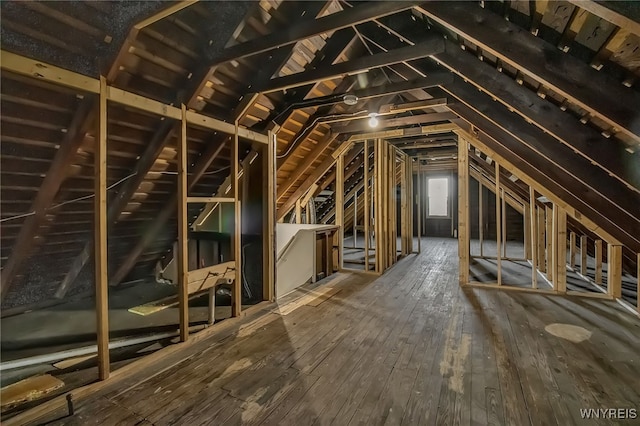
350 99
373 120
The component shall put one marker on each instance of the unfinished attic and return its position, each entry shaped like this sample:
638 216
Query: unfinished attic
320 212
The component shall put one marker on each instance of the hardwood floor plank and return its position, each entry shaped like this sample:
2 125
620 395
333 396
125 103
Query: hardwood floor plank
410 347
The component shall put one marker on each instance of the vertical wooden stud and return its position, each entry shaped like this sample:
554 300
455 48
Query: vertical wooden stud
366 217
614 272
559 249
298 211
236 306
419 207
498 225
463 211
182 251
533 224
527 235
340 207
269 203
598 256
549 242
572 250
480 218
540 240
504 223
100 235
583 255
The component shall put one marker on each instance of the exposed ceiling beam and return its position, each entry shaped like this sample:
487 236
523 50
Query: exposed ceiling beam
622 202
58 76
433 45
304 30
309 159
593 91
360 126
317 173
609 153
433 79
607 13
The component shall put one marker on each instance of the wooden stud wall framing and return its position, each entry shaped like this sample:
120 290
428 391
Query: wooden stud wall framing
533 225
559 241
339 201
548 242
269 212
100 235
572 249
463 211
419 207
583 255
236 304
614 271
498 224
366 208
182 266
598 258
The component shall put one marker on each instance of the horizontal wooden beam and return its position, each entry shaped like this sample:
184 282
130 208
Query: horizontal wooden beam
55 75
434 44
301 31
210 200
593 91
403 133
360 126
174 8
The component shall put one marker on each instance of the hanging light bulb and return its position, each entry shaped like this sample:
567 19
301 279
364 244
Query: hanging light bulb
373 120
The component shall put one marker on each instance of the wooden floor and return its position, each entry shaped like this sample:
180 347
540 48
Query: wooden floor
410 348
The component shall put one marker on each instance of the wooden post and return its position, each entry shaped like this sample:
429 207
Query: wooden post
527 234
377 147
542 266
498 223
366 217
598 256
269 198
463 211
533 224
339 197
404 217
419 208
410 197
480 218
182 249
549 242
298 212
614 272
504 224
212 306
236 306
572 250
100 235
583 255
355 219
559 249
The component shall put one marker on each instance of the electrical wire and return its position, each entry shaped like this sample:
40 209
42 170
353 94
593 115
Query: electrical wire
89 196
